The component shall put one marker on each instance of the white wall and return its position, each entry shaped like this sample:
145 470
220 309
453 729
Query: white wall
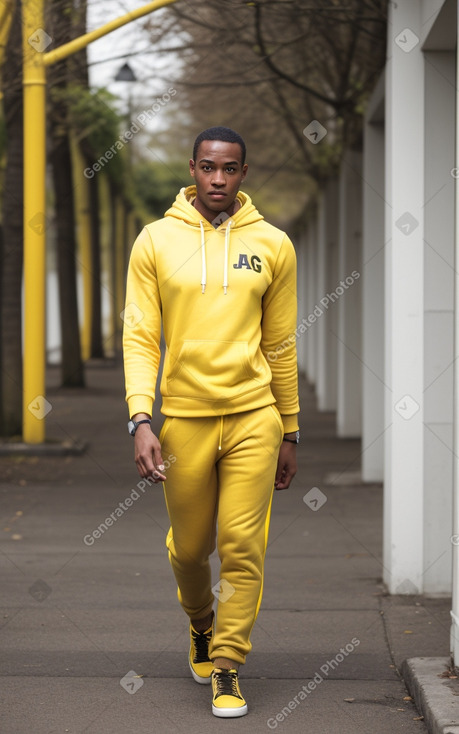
404 303
438 318
373 426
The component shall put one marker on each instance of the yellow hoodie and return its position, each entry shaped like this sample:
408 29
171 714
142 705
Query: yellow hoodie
227 299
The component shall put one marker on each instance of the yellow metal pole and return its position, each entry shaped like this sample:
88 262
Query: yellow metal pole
67 49
35 42
35 405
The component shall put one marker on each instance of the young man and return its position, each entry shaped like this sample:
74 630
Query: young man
223 283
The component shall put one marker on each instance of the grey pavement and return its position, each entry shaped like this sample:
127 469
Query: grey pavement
80 620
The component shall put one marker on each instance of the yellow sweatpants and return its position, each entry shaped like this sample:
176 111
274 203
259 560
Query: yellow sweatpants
222 476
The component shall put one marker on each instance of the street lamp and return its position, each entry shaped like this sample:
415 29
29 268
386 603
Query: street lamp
125 74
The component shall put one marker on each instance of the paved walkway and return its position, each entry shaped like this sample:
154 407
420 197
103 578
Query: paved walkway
78 618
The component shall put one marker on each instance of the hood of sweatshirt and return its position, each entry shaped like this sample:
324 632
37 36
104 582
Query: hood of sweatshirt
183 209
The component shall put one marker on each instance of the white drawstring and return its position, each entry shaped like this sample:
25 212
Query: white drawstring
225 266
203 259
221 434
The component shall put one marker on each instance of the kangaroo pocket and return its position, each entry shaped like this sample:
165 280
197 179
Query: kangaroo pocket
214 370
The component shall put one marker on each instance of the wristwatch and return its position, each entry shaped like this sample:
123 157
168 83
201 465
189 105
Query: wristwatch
133 425
293 440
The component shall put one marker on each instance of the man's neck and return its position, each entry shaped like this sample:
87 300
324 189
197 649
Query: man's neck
210 215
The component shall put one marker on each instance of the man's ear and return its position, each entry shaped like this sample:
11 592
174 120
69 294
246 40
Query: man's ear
245 168
192 167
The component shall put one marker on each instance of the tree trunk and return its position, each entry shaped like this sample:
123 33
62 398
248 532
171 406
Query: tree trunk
72 373
115 317
97 347
12 245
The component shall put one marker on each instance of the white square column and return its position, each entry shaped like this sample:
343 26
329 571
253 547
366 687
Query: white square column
373 301
327 280
438 319
404 303
302 245
347 296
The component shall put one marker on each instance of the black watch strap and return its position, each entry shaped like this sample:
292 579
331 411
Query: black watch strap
133 425
139 423
295 440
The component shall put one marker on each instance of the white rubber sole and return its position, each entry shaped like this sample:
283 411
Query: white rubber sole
199 679
230 713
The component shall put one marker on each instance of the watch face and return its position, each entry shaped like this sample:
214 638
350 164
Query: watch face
131 427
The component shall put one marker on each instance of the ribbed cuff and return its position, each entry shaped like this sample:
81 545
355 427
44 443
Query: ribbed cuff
290 423
140 404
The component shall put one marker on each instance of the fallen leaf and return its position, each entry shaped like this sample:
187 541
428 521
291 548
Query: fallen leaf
447 674
407 698
418 718
407 632
349 700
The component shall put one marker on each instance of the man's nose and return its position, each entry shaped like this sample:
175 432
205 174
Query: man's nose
218 178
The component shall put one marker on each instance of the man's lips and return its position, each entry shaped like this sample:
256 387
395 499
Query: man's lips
217 194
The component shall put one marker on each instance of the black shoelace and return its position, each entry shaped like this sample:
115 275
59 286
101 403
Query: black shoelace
226 684
201 643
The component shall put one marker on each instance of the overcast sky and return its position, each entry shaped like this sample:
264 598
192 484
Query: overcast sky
125 41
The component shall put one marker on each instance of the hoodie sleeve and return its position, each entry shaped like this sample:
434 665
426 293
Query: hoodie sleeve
278 341
142 327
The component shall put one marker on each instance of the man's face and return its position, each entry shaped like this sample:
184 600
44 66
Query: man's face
218 173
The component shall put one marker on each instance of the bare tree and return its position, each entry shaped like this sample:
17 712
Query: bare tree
269 68
72 373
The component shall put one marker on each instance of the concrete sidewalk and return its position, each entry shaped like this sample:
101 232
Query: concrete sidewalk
78 617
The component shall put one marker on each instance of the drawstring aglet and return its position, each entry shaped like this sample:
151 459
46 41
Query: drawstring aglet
221 434
225 288
203 287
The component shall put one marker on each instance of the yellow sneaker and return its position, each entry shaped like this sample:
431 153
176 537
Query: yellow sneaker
200 665
227 699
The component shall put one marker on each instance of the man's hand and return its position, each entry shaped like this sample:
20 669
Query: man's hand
148 454
286 465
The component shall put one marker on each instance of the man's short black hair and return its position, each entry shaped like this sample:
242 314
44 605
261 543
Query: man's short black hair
219 133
